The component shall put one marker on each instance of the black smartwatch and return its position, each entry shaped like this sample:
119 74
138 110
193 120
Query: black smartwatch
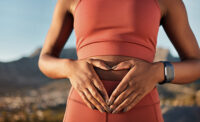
168 72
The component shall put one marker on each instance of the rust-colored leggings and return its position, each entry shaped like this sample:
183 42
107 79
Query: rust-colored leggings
147 110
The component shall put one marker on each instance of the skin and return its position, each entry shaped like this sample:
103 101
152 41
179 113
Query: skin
135 74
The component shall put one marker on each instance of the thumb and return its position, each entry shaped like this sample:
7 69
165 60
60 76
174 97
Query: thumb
123 65
99 63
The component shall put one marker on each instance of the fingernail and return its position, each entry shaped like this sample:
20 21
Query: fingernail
107 101
114 67
112 107
114 112
108 109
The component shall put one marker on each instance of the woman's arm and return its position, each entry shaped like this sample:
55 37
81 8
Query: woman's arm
176 25
60 29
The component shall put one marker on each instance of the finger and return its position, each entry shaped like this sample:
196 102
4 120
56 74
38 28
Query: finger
93 100
124 65
99 63
118 90
124 95
99 85
97 96
126 102
134 102
101 89
127 80
86 101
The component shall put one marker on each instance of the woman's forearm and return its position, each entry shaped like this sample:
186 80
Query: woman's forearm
53 67
186 71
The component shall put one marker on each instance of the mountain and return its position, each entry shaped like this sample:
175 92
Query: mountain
24 73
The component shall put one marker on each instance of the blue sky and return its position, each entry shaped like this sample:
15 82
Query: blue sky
24 25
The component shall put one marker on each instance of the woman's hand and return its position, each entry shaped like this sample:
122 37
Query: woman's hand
88 84
141 79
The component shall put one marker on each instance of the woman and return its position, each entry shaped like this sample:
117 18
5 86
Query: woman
115 78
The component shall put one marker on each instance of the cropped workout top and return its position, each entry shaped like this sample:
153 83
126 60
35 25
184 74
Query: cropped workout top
117 27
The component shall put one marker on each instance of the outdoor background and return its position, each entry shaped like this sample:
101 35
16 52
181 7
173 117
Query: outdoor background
27 95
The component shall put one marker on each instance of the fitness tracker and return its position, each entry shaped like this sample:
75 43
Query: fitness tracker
168 72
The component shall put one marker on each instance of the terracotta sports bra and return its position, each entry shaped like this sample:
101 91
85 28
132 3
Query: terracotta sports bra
117 27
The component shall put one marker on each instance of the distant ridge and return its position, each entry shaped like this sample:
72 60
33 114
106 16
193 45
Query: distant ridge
24 73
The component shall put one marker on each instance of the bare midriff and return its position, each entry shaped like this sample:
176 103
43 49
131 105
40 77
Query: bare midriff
111 60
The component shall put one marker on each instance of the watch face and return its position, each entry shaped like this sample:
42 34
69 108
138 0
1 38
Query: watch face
169 72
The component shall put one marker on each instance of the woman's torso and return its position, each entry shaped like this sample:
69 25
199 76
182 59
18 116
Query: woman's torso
112 60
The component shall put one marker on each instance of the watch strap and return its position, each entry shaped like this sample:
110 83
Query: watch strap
168 72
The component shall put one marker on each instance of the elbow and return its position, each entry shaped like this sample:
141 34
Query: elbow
40 65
